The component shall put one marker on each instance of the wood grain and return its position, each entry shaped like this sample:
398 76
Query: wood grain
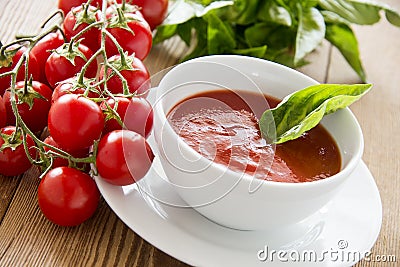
28 239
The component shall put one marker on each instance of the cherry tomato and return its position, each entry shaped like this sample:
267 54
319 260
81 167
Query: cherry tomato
43 49
154 11
75 122
67 5
58 161
7 63
59 68
67 197
3 113
13 160
135 73
135 113
123 157
128 8
71 86
138 42
35 107
78 19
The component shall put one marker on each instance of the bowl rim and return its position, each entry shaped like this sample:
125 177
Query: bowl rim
341 175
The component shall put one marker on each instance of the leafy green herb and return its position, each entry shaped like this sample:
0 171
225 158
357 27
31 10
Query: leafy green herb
304 109
284 31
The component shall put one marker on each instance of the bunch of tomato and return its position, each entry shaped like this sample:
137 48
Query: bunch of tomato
73 101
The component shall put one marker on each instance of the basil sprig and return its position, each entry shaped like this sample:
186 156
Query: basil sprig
283 31
304 109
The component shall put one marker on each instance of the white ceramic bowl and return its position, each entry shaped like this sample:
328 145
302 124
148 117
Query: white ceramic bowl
227 197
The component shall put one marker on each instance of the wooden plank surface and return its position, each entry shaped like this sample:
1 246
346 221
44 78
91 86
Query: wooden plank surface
28 239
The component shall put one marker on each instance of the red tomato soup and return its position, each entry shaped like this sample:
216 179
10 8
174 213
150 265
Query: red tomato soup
222 125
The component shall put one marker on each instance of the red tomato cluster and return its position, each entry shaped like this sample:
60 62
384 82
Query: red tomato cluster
94 108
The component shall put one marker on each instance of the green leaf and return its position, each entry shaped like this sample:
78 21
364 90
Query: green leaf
355 12
332 17
271 12
185 32
341 36
258 34
200 48
364 12
182 18
304 109
393 17
243 12
272 35
164 32
252 52
310 32
184 10
219 37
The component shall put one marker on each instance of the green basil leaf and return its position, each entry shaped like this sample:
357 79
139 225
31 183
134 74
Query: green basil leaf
393 17
361 11
220 38
243 12
304 109
355 12
272 35
271 12
252 52
200 48
185 31
310 32
332 17
164 32
341 36
184 10
309 3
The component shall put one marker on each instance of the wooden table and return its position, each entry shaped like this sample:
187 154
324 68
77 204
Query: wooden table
28 239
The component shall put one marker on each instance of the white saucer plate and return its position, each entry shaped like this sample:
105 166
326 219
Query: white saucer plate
340 234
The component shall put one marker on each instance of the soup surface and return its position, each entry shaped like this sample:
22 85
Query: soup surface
222 125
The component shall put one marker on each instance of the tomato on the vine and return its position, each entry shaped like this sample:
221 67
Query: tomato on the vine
136 39
67 196
75 122
68 60
13 159
123 157
33 105
43 49
132 69
77 19
72 86
67 5
3 113
8 60
136 114
154 11
59 161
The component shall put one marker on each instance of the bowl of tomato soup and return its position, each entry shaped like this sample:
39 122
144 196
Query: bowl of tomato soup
212 152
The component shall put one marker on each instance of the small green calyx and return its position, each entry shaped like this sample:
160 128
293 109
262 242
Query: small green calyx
123 63
85 15
70 51
27 95
11 141
121 21
111 113
6 56
86 84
